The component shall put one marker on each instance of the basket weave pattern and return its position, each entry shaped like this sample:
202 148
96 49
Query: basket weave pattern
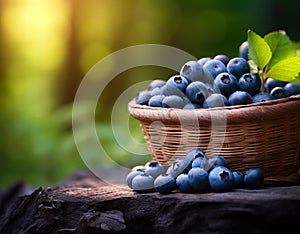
264 135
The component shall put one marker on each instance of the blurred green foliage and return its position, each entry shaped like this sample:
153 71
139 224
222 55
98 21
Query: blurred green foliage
46 48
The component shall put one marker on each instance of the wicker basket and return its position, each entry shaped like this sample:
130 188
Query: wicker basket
264 135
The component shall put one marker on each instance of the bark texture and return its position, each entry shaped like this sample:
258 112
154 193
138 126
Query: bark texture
85 204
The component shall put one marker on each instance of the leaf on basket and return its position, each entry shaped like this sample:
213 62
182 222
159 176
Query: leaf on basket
259 50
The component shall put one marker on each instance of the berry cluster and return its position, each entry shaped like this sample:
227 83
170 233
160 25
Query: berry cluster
215 82
193 173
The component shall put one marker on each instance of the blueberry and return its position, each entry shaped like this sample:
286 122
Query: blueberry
191 106
143 183
238 179
156 84
142 98
154 169
183 184
250 83
292 88
173 101
221 179
179 166
254 178
195 153
199 162
131 175
197 92
138 168
279 92
203 60
240 98
157 91
214 67
156 101
271 83
243 50
176 85
192 70
262 97
238 66
198 179
164 184
223 58
216 161
227 83
215 100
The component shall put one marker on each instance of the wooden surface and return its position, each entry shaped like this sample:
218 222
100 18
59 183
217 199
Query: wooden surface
84 204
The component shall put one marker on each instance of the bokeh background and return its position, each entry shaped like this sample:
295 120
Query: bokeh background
47 46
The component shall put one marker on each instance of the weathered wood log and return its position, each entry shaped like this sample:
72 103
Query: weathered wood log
85 204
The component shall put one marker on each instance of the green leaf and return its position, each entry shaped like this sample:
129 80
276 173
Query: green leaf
280 45
297 80
286 70
259 50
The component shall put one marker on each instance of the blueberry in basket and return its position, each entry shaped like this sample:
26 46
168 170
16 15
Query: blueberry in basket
250 83
192 70
215 100
214 67
197 92
238 66
227 83
240 98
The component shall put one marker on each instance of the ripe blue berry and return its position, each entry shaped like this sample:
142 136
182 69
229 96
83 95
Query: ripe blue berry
271 83
197 92
243 50
173 101
279 92
292 88
215 100
164 184
227 83
238 66
240 98
198 179
214 67
154 169
223 58
203 60
156 101
250 83
195 153
238 179
192 70
216 161
142 98
156 84
131 175
191 106
262 97
199 162
176 85
143 183
254 178
221 179
179 166
183 184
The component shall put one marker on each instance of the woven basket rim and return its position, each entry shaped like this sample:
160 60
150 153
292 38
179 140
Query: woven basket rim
234 114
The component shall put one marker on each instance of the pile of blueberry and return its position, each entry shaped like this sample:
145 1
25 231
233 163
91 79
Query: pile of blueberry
215 82
193 173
